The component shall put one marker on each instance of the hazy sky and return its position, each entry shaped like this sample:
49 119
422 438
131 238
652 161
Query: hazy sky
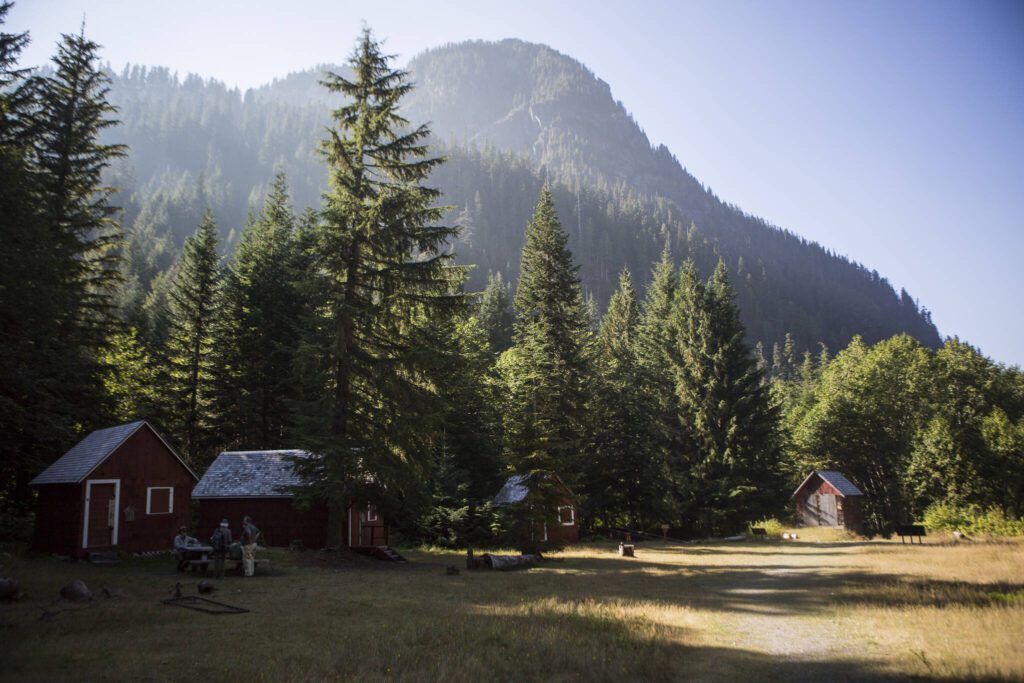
891 132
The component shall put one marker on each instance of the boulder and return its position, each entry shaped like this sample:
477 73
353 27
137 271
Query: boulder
76 591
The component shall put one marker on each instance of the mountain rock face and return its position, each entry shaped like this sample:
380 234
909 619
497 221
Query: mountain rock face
510 115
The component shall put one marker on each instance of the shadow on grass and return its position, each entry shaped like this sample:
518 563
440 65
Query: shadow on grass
561 640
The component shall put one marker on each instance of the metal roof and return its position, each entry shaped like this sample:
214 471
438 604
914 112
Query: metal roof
87 454
837 480
842 484
514 490
250 474
517 487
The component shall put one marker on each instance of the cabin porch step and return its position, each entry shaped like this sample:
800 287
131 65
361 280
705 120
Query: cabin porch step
381 552
106 557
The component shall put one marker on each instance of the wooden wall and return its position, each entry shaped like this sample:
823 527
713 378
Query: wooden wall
141 462
277 518
848 509
58 527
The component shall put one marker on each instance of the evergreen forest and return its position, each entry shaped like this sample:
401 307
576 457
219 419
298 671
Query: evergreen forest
432 284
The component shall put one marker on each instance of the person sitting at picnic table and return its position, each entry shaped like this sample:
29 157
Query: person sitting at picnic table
181 543
220 541
250 537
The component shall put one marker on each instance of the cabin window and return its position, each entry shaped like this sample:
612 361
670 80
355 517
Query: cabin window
371 513
567 515
159 500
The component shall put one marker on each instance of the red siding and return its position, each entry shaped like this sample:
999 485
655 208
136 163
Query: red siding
58 526
364 531
142 461
278 519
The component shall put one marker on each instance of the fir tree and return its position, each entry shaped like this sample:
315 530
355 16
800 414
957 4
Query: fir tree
71 113
34 412
60 262
381 279
626 472
257 330
547 369
655 341
467 464
496 313
194 303
725 406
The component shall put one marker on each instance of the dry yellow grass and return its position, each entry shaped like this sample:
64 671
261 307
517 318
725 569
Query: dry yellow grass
776 610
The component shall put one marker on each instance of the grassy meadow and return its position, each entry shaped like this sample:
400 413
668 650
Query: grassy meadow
814 609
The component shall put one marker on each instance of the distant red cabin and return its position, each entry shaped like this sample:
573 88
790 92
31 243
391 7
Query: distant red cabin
556 523
827 498
260 484
122 486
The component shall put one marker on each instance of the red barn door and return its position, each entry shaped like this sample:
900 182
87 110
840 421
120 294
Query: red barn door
101 518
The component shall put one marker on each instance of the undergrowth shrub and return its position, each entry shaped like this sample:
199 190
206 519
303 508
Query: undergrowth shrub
972 519
772 527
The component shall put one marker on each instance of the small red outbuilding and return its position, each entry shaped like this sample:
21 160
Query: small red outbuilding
122 486
827 498
546 503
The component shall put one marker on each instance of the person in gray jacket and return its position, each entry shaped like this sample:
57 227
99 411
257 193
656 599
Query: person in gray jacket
181 543
220 541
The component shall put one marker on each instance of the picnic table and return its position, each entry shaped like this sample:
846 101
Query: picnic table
198 556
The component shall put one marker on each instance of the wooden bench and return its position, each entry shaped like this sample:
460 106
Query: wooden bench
201 565
759 532
910 531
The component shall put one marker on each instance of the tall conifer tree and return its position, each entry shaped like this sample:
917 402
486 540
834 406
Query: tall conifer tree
72 111
626 473
60 259
194 303
548 368
724 406
257 330
381 279
32 408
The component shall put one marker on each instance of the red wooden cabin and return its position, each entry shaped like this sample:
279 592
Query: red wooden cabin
827 498
122 486
260 484
555 525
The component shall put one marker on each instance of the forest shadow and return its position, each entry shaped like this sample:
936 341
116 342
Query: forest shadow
555 641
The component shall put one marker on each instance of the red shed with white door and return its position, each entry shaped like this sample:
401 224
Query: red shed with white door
123 486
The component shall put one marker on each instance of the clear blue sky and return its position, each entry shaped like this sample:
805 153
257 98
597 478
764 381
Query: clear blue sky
891 132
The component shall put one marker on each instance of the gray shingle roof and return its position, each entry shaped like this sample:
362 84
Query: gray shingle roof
249 474
74 465
514 490
517 487
840 482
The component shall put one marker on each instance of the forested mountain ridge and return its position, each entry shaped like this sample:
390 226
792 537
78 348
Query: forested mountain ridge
510 115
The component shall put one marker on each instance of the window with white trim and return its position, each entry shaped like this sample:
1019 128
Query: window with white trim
567 515
159 500
371 513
